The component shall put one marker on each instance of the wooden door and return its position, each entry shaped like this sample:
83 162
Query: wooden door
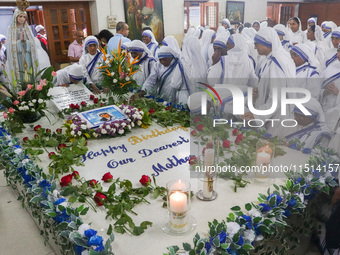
209 15
62 20
287 11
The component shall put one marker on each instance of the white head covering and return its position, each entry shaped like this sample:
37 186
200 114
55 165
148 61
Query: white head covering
306 53
336 32
88 41
38 28
263 24
207 36
311 20
150 34
300 25
76 72
139 46
12 50
314 107
227 22
193 58
171 42
318 34
330 25
2 37
222 32
167 52
282 30
249 33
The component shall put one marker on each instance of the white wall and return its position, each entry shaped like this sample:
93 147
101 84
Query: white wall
173 15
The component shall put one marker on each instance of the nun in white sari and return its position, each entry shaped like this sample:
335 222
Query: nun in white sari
295 31
331 54
275 70
307 67
167 78
311 129
207 40
150 41
171 42
145 60
284 37
90 60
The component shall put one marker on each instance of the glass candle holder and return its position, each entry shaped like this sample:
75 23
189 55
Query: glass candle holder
265 152
208 174
178 221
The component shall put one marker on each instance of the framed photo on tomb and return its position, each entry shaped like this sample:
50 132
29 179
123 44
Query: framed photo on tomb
235 12
144 13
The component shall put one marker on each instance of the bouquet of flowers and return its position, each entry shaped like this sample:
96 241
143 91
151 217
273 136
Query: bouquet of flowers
118 69
26 103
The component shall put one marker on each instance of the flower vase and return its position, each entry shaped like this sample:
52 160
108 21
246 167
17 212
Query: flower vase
30 117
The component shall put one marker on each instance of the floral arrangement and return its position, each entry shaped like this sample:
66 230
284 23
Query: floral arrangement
117 72
26 102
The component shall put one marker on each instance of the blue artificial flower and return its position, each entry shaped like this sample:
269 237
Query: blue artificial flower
95 240
293 146
169 104
267 135
249 225
316 173
307 151
247 218
257 231
44 183
152 97
131 89
160 100
265 207
60 200
286 213
61 217
298 180
21 169
334 174
207 246
27 178
291 203
240 241
90 232
232 251
223 236
278 199
79 249
99 248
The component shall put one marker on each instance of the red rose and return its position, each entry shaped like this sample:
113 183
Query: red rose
71 106
152 111
210 145
107 177
240 137
95 100
194 133
36 136
51 154
91 97
83 103
99 198
25 139
76 106
101 104
36 128
59 130
48 131
93 183
226 144
237 141
168 108
75 175
200 127
236 131
66 180
193 160
62 145
145 180
197 119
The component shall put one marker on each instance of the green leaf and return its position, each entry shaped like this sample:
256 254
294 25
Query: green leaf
236 237
232 216
109 231
186 246
272 201
52 214
119 229
138 231
216 241
83 212
156 193
235 208
248 206
225 246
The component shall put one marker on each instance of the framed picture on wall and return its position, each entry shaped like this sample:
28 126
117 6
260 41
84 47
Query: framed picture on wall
140 14
235 12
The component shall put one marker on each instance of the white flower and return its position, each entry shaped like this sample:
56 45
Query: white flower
259 238
55 194
72 126
123 124
232 228
26 107
114 80
127 78
165 103
139 117
34 100
127 110
21 108
31 104
82 228
10 144
101 126
32 110
79 133
129 127
117 125
141 112
108 56
104 131
23 102
40 101
18 151
114 130
121 131
85 252
83 126
322 179
107 61
8 137
132 124
72 133
249 234
301 196
108 127
134 116
95 135
113 73
255 213
129 120
139 123
25 161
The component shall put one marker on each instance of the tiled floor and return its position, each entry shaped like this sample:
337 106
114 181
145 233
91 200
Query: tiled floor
18 232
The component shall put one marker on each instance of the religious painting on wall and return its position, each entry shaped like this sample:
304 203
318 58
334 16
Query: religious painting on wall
235 12
140 14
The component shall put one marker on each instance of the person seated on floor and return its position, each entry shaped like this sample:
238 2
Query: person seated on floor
331 84
306 67
72 74
311 129
90 60
167 78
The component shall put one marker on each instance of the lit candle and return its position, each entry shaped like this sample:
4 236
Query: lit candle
209 157
180 186
263 158
178 202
